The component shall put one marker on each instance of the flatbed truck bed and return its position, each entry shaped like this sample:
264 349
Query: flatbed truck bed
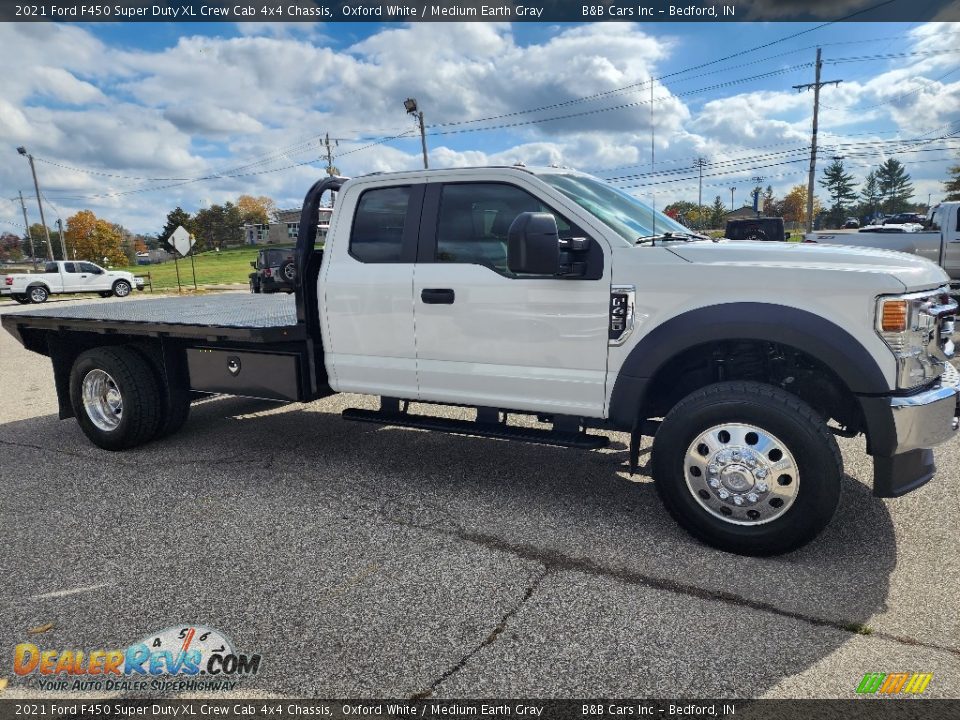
228 316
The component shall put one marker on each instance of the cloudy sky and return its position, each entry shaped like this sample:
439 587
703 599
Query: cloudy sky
131 120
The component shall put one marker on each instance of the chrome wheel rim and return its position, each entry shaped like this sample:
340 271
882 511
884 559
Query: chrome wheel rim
741 474
122 289
289 272
102 400
38 294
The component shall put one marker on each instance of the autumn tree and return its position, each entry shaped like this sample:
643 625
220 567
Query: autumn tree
94 239
839 183
795 205
683 212
952 186
895 186
10 247
256 210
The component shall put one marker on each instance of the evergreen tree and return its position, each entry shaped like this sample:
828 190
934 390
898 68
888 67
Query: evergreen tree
952 186
176 218
895 186
718 212
870 195
840 185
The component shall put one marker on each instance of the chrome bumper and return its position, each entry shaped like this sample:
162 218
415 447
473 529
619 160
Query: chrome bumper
929 418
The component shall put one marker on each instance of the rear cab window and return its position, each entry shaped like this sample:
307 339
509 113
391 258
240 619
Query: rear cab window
379 232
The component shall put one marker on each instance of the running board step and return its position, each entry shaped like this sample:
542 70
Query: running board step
469 427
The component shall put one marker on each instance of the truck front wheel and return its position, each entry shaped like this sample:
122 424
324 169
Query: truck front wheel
747 468
121 288
115 397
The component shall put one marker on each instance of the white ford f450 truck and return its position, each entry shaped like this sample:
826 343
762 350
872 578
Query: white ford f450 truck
545 292
61 277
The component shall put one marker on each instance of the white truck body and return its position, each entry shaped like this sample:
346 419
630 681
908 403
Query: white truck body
67 277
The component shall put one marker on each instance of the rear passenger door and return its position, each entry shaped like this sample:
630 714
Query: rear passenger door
366 290
486 336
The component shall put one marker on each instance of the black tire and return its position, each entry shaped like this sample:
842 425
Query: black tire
38 294
774 411
756 235
105 294
22 299
140 395
173 413
288 272
121 288
254 286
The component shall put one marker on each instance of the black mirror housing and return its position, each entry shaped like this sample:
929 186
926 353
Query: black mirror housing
533 244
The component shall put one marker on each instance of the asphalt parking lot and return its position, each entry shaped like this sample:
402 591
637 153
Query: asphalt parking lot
373 562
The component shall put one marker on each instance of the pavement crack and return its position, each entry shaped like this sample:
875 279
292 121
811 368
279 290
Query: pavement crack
555 561
487 641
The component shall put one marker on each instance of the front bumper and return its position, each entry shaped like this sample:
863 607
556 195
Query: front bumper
902 432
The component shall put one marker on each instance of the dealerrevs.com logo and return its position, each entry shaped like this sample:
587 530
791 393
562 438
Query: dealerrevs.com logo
178 658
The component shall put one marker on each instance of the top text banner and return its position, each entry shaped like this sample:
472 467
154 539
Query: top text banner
470 10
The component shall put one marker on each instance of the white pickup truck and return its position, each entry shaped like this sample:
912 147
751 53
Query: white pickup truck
548 294
939 242
60 277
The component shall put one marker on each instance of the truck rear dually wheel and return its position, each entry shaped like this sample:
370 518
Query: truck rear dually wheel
747 468
115 397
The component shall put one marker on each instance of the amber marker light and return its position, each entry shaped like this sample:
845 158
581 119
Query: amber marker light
894 318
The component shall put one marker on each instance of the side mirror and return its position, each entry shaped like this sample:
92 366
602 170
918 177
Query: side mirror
533 244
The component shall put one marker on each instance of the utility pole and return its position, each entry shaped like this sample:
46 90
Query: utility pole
26 224
63 241
329 155
46 231
701 161
816 85
758 179
732 191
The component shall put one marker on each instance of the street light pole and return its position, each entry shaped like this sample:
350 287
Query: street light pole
732 190
410 105
23 151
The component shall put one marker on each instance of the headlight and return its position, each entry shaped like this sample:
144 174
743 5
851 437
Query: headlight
918 329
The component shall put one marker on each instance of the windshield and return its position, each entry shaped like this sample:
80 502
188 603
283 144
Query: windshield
628 216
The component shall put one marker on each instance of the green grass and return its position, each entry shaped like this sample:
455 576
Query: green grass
213 268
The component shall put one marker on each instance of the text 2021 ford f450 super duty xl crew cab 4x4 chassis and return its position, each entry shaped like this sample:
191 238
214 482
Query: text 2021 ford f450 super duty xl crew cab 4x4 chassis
548 293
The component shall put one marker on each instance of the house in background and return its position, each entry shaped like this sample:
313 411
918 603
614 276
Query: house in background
284 228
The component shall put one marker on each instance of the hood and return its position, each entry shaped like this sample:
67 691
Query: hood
915 273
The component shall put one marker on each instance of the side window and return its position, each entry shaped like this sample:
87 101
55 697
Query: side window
70 268
377 234
89 268
476 217
50 268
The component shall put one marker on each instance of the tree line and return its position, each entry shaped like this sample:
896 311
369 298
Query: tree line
98 240
886 189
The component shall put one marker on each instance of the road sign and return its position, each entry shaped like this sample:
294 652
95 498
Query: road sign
181 240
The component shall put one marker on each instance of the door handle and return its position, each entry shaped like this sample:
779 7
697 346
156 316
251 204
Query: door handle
437 296
83 276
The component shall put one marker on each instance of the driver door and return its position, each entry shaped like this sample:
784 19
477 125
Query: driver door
488 337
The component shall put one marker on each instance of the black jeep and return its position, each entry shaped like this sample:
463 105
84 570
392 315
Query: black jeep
274 271
762 228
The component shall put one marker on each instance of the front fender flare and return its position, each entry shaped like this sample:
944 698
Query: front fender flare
803 330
